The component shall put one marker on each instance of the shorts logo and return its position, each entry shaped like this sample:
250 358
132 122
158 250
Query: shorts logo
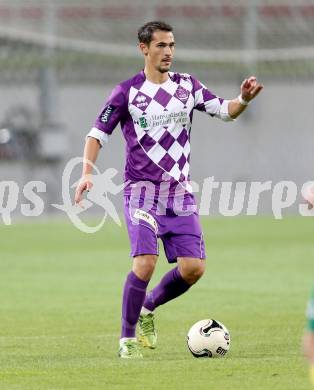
106 114
142 215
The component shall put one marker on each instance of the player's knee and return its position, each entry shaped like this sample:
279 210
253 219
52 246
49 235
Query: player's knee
144 266
191 273
195 274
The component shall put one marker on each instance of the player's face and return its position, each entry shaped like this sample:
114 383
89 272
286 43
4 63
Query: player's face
159 53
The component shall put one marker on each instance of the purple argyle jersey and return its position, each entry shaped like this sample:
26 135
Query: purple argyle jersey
156 123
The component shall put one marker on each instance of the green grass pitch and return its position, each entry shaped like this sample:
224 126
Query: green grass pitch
60 294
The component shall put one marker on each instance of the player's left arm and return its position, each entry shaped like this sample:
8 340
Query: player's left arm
250 88
217 107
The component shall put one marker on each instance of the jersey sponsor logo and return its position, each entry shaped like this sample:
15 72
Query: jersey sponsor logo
166 119
106 114
144 216
143 122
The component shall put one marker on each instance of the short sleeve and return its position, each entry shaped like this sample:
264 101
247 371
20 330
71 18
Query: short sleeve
208 102
111 114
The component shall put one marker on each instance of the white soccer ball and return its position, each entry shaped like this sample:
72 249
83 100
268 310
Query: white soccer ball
208 338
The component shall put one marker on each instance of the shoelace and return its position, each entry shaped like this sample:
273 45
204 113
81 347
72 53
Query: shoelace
130 345
148 326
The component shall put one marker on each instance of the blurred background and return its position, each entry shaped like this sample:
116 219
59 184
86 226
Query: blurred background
59 61
60 298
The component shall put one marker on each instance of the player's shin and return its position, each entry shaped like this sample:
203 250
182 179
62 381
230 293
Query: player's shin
133 298
170 287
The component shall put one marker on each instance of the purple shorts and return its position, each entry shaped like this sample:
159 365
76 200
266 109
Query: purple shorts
181 235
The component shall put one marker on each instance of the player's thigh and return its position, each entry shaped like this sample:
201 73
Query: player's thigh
142 231
190 246
183 237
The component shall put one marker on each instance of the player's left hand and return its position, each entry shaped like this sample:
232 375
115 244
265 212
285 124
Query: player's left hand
250 88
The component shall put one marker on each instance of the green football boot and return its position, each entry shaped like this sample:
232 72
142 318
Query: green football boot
129 349
147 332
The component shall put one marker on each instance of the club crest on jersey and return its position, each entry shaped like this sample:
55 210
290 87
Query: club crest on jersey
182 94
106 114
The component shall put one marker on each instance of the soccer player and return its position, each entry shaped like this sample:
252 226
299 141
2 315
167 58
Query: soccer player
155 109
308 341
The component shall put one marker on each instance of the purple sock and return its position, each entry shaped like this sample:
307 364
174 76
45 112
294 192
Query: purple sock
171 286
133 297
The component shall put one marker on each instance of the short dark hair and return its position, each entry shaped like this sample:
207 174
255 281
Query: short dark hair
145 33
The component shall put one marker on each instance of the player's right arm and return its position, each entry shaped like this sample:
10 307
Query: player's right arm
111 114
91 149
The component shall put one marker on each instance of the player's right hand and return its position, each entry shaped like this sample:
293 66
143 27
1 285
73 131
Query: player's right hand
85 184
